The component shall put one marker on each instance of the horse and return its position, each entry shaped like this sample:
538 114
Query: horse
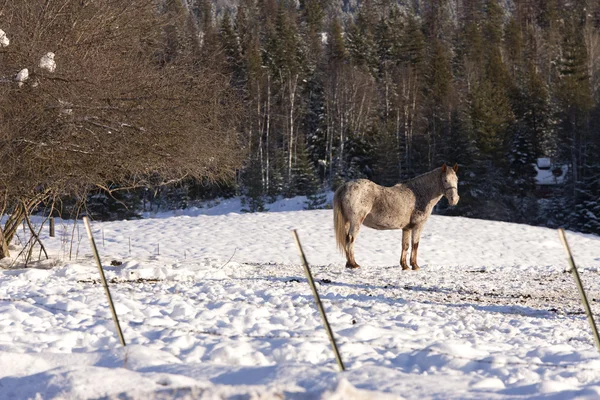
405 206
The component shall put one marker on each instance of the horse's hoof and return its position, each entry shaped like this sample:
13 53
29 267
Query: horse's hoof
405 267
415 268
352 266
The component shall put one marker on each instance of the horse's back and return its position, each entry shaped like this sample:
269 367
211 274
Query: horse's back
378 207
359 191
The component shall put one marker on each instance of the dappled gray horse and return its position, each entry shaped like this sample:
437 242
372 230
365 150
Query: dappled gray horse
405 206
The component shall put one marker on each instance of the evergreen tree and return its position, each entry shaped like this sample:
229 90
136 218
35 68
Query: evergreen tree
534 110
463 149
576 102
491 115
384 47
336 48
386 163
414 43
317 201
438 92
252 191
305 181
360 42
357 158
315 125
520 183
233 52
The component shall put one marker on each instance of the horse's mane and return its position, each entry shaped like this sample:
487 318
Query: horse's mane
425 186
424 177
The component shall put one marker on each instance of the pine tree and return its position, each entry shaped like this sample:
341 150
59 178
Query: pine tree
491 115
360 42
384 47
534 110
336 48
253 195
358 157
576 102
233 52
462 149
315 125
520 183
305 181
438 90
414 43
386 164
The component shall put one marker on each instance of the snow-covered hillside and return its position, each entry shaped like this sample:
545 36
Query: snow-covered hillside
214 304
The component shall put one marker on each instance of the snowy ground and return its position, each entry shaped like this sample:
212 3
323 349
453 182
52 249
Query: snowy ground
214 304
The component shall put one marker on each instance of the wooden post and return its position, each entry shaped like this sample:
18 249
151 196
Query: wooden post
106 290
584 300
311 282
51 226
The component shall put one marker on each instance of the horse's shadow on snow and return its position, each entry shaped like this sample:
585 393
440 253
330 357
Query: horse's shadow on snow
371 293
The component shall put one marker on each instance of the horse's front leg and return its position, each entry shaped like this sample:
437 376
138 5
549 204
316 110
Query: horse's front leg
405 244
416 235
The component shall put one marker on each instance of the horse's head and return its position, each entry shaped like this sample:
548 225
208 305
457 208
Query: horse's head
450 184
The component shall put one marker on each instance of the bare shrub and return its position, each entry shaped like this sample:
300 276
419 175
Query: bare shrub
130 101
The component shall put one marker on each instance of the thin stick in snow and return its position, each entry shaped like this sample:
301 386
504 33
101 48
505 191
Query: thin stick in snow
311 282
106 290
584 300
230 258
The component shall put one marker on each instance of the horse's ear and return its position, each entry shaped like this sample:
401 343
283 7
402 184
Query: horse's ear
455 168
444 167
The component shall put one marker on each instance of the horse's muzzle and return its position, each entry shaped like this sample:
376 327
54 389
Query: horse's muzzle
453 199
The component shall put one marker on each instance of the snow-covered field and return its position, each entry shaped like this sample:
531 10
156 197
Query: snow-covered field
214 304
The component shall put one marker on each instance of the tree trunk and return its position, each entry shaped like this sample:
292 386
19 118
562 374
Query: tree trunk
292 86
3 246
267 129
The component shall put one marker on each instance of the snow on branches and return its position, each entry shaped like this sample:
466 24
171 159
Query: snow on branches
3 39
22 76
47 62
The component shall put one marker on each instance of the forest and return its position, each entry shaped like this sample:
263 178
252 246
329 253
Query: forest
161 104
386 91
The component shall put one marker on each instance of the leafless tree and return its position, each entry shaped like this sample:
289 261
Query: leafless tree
128 100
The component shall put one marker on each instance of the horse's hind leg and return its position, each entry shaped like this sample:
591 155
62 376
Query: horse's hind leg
405 244
416 235
351 238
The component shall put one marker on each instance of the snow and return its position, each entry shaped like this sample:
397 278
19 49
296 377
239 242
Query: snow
544 163
214 304
47 62
546 176
4 41
22 76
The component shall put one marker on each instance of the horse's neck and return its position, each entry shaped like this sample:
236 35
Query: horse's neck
427 186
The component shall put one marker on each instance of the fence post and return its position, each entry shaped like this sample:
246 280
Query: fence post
311 282
51 223
110 302
584 300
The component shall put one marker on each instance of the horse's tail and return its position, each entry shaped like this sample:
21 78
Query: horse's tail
339 220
